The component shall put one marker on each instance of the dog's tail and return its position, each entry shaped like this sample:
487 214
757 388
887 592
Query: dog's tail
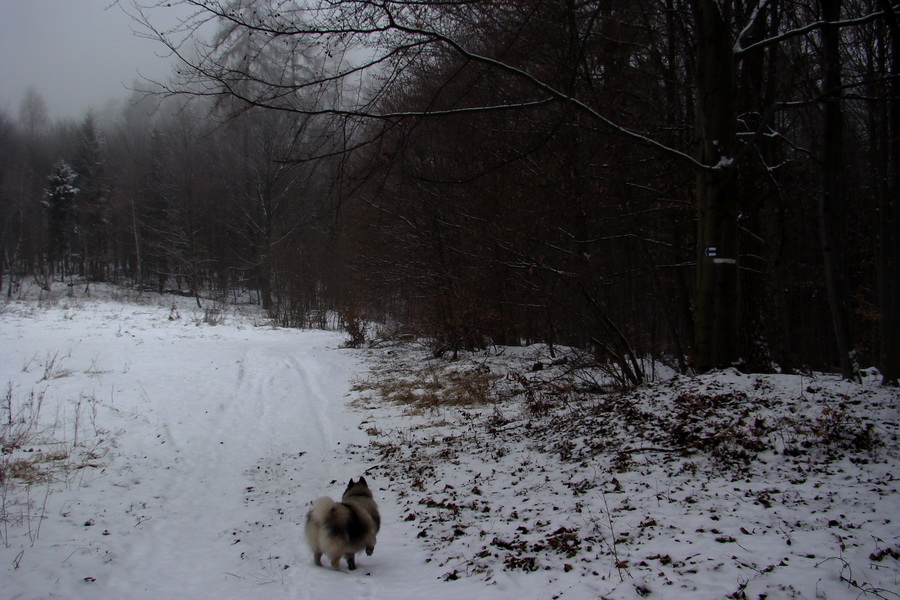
321 510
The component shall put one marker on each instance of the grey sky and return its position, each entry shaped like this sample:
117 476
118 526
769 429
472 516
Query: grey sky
78 54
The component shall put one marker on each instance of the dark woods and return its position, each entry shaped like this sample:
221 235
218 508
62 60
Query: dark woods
700 182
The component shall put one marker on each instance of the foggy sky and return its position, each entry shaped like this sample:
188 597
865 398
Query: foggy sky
77 54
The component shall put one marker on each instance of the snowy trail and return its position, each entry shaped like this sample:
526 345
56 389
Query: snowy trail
218 439
266 406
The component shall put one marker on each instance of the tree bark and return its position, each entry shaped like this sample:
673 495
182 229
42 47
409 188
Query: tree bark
717 310
888 259
833 199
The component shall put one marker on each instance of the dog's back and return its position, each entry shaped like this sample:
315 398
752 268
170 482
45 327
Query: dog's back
360 496
341 529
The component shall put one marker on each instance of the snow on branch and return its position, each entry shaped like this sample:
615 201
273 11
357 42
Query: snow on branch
739 51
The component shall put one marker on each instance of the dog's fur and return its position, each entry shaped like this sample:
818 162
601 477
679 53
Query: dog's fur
341 529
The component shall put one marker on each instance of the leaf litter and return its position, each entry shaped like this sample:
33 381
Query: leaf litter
725 484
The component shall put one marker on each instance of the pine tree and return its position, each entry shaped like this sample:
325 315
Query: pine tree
59 200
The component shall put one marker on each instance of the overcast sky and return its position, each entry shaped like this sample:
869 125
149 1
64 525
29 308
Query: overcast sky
78 54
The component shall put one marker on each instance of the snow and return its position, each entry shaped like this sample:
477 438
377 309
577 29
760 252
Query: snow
186 445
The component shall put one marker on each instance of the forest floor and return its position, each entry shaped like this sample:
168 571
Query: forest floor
153 449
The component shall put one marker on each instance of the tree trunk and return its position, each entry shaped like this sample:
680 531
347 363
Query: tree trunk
833 199
138 257
717 311
888 259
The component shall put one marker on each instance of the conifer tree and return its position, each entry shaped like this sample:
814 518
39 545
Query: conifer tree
59 201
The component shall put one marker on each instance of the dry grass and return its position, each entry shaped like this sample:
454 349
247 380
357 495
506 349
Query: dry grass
35 453
435 386
26 471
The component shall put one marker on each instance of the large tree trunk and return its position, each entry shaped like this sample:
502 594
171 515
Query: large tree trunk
833 199
717 312
888 260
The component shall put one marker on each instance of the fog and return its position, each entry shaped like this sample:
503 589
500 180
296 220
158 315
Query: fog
77 54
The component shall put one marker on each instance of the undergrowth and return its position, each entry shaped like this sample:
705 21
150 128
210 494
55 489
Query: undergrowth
435 386
37 451
544 426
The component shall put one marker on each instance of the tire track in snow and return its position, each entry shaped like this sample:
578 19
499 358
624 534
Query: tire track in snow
193 496
315 403
254 446
222 429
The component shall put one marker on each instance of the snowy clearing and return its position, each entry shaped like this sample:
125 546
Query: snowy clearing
155 450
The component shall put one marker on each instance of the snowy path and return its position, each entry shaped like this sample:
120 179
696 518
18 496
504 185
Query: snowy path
216 439
272 402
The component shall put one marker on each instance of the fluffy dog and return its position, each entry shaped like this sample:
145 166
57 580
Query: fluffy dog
341 529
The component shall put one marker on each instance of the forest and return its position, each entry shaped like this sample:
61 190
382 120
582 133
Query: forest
705 183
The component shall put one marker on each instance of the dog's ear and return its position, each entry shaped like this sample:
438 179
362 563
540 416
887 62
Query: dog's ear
362 481
351 484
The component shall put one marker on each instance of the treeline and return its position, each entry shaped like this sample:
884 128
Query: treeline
170 197
699 182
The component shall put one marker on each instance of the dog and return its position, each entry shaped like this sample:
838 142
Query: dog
341 529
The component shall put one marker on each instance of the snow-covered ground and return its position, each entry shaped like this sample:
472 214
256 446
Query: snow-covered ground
156 450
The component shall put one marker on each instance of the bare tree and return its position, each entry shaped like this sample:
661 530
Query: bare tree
833 199
349 56
33 114
889 221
